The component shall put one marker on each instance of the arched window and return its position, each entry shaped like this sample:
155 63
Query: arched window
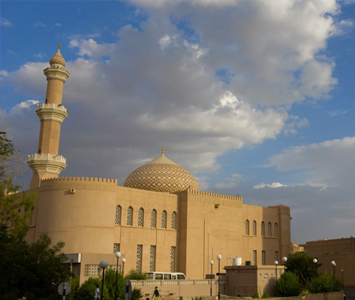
269 229
276 230
262 228
130 216
247 227
163 219
141 217
118 215
173 220
153 220
254 228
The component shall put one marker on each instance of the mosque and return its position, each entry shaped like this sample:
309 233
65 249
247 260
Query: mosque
159 219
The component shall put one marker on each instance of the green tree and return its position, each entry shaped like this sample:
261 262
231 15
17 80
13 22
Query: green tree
324 283
288 284
15 208
136 275
303 266
11 162
32 270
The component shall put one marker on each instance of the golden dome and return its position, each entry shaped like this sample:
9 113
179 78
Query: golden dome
161 175
57 59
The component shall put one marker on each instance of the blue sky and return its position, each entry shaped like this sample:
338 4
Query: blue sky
252 97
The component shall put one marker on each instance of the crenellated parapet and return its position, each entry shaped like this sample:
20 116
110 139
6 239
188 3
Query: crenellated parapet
212 198
73 185
81 179
51 112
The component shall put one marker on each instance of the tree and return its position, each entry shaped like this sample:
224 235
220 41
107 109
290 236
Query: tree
288 284
136 275
303 266
11 162
32 270
15 208
324 283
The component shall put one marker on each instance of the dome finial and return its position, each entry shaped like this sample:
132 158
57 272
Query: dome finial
162 151
59 46
57 60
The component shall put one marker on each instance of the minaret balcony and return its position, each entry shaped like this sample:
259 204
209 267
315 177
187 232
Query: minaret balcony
51 112
56 73
47 163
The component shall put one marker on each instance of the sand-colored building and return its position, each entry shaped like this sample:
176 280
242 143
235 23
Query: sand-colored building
342 252
159 220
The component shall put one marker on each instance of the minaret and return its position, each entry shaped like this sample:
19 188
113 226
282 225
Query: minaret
47 163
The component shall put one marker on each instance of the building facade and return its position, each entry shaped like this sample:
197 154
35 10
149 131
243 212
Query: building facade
159 220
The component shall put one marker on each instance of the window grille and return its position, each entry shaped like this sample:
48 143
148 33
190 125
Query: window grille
262 229
172 259
263 262
141 217
254 257
152 258
116 247
153 222
139 258
269 229
247 227
254 228
91 270
130 216
277 255
118 215
173 220
163 219
276 230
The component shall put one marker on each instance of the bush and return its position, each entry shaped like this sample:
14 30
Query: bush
136 275
288 284
324 283
265 295
305 293
256 295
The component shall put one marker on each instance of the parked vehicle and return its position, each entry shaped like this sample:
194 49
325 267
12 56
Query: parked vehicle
165 275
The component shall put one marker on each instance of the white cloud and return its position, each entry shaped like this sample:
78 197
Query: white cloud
39 24
58 25
273 185
327 163
5 22
230 182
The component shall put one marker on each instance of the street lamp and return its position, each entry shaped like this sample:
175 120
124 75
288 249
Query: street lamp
117 254
219 257
276 263
284 260
315 261
334 265
123 261
103 265
211 262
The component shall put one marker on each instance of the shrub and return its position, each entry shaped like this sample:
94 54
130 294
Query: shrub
288 284
256 295
136 275
305 293
265 295
324 283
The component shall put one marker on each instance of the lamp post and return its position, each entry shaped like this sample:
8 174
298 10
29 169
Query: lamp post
123 261
315 261
219 257
333 265
211 262
103 265
117 254
284 260
276 263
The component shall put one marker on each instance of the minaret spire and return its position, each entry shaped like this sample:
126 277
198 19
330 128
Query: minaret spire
46 163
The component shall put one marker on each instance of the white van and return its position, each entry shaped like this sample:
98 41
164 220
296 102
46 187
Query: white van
165 275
